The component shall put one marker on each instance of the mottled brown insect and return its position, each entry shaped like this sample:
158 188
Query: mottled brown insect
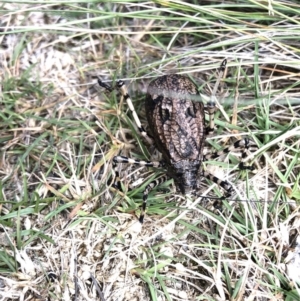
176 117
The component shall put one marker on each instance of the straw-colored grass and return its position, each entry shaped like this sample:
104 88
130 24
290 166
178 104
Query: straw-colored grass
66 234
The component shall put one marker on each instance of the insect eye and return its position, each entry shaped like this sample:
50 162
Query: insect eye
190 112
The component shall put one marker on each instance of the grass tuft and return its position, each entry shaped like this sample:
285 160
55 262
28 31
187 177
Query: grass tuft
60 131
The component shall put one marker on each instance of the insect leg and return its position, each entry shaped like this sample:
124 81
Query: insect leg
224 184
211 108
122 159
148 188
122 87
245 146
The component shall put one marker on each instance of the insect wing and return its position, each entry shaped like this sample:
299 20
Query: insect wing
175 115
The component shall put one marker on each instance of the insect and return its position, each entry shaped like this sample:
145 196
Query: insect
176 117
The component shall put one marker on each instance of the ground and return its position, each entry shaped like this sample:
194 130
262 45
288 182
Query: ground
66 233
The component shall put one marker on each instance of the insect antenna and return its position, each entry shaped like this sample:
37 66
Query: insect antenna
241 200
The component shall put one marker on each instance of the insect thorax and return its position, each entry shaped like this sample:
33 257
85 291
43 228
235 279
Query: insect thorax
175 115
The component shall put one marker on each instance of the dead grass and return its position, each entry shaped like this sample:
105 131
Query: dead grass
65 233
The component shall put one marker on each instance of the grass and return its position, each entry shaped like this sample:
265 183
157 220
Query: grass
60 131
